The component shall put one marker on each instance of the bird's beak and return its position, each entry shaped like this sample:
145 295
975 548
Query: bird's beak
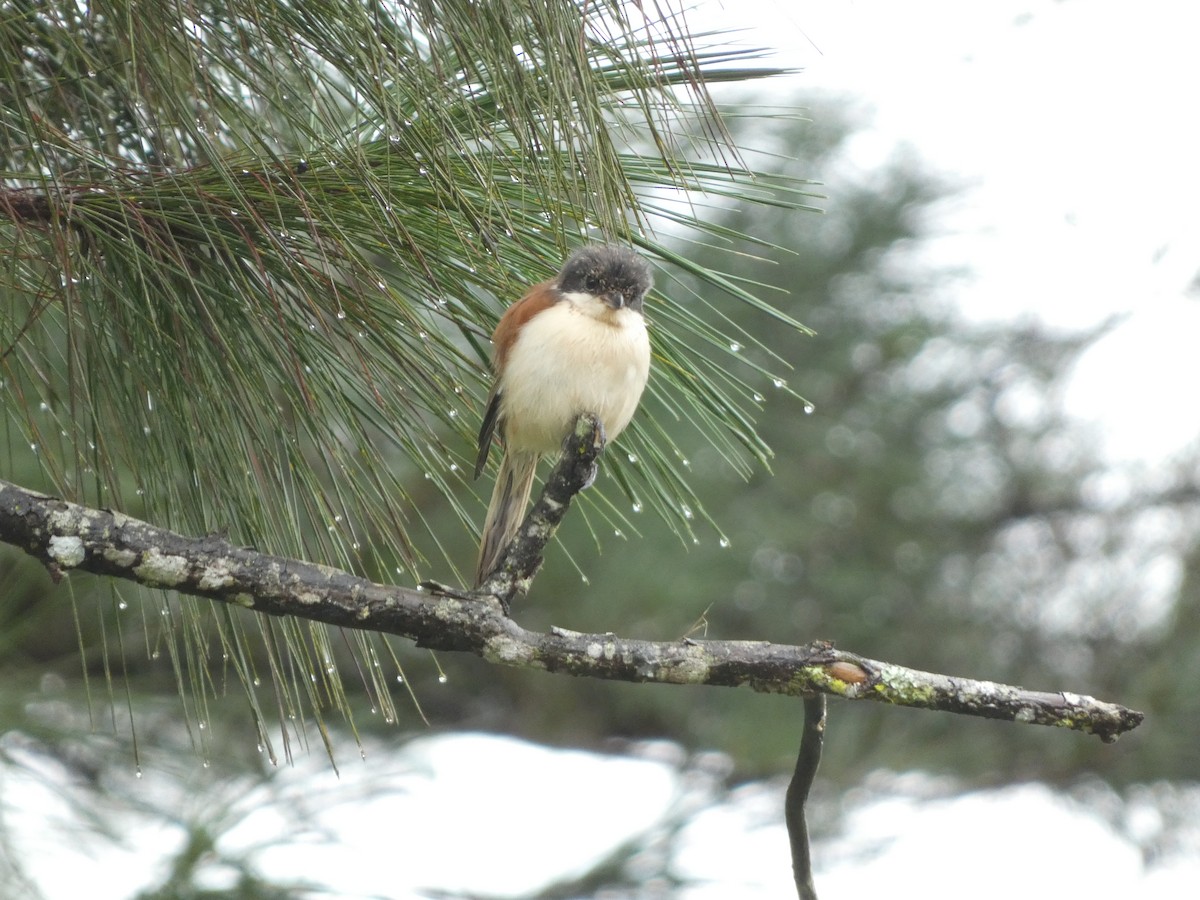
615 299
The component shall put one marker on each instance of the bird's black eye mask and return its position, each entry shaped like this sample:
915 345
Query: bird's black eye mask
605 270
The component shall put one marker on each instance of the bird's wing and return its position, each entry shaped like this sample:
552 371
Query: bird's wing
487 430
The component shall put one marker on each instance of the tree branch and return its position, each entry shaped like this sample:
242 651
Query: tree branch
67 536
576 469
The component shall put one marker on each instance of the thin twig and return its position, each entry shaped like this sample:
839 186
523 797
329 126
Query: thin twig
575 470
812 741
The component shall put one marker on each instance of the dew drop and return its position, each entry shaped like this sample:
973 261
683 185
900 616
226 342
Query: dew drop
687 511
633 458
758 398
778 382
44 406
399 679
724 541
122 605
138 772
637 506
808 409
617 532
734 346
341 314
442 679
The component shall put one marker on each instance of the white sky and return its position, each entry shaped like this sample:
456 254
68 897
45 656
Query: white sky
496 817
1072 127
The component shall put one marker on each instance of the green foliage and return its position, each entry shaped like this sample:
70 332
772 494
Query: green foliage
254 252
255 248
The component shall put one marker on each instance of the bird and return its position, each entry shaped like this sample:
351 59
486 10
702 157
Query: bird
574 344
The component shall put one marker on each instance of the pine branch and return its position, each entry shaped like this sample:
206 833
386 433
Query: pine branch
67 536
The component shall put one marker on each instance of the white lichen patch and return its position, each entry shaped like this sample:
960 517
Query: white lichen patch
215 577
66 550
448 609
598 650
162 570
120 520
245 600
64 520
118 557
506 651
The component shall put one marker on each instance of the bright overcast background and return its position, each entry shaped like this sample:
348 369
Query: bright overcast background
1070 127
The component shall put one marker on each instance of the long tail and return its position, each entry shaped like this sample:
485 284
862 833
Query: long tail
509 498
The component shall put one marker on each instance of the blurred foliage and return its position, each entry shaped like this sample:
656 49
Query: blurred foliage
253 255
936 508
